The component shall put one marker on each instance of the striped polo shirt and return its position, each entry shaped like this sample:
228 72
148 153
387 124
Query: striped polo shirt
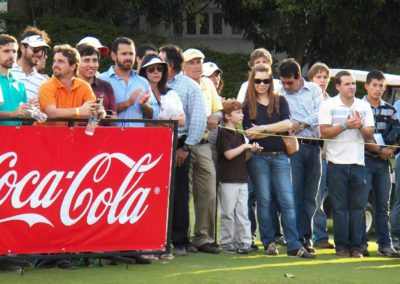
32 81
383 114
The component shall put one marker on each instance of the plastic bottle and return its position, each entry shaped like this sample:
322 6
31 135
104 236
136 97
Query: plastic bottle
94 119
37 114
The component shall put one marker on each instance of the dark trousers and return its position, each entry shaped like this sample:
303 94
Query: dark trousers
180 216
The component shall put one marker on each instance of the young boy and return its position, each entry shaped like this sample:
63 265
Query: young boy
233 194
319 73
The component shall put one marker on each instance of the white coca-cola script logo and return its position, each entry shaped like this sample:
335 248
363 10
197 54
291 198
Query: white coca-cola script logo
127 204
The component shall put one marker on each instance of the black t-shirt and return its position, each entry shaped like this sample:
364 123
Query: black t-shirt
231 171
274 143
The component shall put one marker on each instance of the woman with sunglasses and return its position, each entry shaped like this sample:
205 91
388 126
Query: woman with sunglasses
156 72
266 112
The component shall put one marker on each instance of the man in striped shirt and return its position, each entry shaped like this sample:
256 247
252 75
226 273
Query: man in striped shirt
33 46
378 163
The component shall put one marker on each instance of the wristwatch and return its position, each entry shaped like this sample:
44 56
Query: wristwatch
187 148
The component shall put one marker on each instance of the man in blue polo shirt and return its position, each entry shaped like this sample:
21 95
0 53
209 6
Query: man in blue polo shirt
13 92
133 94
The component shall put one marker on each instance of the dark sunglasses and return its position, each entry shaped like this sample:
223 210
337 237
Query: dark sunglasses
39 49
151 69
265 81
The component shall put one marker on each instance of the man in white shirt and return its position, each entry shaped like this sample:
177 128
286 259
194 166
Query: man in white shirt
348 122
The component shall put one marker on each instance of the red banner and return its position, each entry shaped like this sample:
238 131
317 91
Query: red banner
63 191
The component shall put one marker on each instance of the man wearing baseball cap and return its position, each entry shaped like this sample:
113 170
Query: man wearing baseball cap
89 40
202 165
33 46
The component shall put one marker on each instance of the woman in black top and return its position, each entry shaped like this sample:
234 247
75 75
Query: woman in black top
265 111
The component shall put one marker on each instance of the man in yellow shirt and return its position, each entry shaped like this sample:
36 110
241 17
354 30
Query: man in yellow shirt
202 176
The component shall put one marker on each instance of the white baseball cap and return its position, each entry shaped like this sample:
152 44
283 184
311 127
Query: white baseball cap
35 41
89 40
192 53
209 68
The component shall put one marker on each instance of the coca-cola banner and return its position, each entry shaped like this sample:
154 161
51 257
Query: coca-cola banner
63 191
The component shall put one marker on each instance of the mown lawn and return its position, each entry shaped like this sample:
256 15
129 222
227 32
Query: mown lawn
227 268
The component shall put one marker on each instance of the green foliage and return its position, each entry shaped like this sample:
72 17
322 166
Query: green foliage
340 33
234 67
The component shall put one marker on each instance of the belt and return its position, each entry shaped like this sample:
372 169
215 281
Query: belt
272 154
309 142
203 141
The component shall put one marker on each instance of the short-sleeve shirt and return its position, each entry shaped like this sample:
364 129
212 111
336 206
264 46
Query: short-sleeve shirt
273 143
13 93
123 91
211 98
53 92
32 81
234 170
103 88
347 147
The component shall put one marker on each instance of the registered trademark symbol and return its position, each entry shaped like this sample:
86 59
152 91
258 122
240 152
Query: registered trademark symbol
157 190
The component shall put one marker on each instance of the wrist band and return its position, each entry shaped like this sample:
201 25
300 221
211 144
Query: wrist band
77 112
344 126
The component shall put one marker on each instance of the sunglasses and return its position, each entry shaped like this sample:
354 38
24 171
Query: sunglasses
151 69
259 81
39 49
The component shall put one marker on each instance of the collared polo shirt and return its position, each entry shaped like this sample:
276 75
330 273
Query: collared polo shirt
32 81
53 92
347 147
211 98
304 106
193 105
123 91
103 88
13 93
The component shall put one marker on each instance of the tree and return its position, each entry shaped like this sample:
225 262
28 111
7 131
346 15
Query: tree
341 33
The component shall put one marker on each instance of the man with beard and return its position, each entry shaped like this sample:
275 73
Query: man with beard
133 94
65 95
33 47
12 91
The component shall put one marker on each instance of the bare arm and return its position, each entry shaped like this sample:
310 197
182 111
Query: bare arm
258 131
84 110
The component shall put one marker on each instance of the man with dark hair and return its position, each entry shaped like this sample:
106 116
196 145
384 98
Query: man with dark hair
142 51
377 164
64 95
194 106
33 47
88 67
347 122
133 94
304 100
13 100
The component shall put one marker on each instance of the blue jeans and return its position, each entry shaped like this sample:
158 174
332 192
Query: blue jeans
272 175
306 169
320 232
395 212
348 192
378 180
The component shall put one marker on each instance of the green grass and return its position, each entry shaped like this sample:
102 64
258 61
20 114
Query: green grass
227 268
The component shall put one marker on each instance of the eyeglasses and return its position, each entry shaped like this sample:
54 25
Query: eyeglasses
259 81
39 49
151 69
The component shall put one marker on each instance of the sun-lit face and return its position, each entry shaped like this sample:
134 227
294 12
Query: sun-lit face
215 78
235 117
375 88
347 87
291 85
322 80
61 67
262 82
124 58
194 68
260 60
154 72
88 66
8 54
